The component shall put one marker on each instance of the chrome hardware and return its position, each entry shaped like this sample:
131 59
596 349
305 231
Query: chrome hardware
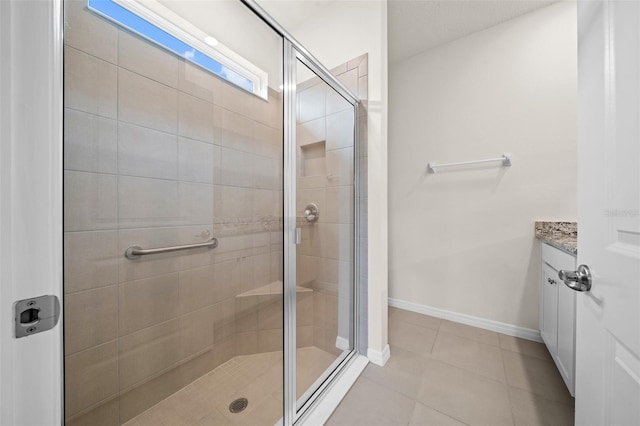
135 252
311 212
36 315
297 234
505 159
579 280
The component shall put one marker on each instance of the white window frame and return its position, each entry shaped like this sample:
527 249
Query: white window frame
168 21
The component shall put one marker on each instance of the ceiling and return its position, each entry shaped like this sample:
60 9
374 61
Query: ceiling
419 25
292 13
416 25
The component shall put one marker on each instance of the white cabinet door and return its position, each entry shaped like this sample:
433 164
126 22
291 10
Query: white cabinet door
549 311
557 312
608 316
565 357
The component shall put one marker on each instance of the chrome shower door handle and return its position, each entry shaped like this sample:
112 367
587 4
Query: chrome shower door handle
579 280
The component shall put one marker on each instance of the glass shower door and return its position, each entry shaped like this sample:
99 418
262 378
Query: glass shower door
164 149
175 307
325 152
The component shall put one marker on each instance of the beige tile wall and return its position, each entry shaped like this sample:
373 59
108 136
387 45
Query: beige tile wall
325 257
157 153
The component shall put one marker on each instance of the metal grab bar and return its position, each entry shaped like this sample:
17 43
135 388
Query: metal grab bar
135 252
506 162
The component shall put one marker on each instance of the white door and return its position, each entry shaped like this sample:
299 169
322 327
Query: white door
30 206
608 316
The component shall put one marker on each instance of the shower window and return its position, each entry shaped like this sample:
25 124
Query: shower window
163 27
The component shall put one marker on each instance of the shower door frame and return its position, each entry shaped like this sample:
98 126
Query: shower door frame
293 52
31 391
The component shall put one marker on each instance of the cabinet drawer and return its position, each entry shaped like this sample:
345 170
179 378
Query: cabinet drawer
557 259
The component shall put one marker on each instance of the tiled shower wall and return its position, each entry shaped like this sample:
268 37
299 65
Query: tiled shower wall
326 154
159 153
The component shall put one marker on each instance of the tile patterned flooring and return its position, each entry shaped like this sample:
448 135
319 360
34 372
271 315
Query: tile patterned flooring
257 377
440 373
445 373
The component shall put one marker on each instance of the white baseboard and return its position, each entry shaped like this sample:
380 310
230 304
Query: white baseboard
342 343
378 357
500 327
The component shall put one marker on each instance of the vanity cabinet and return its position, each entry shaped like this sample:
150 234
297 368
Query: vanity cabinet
558 311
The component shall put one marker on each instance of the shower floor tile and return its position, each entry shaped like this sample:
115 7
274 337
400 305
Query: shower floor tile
257 377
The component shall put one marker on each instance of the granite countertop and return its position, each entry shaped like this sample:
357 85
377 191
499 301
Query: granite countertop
561 235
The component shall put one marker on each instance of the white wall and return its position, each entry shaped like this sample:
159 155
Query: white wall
464 241
341 31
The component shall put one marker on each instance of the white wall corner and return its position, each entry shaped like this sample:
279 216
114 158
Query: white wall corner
499 327
378 357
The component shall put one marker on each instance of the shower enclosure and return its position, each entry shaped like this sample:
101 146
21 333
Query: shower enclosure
210 217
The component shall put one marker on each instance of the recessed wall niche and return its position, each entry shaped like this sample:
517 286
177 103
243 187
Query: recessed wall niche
314 159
